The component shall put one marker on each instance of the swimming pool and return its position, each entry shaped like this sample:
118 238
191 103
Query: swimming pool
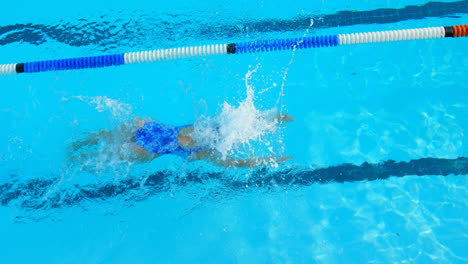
353 106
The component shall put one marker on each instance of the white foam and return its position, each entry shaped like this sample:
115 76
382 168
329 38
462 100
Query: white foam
114 150
237 128
115 107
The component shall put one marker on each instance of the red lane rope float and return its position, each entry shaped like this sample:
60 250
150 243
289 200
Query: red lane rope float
460 31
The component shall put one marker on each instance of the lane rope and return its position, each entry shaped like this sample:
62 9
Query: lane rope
235 48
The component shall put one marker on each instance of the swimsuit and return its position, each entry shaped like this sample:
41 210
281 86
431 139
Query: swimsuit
155 137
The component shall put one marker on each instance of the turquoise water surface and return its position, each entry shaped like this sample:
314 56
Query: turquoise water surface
400 107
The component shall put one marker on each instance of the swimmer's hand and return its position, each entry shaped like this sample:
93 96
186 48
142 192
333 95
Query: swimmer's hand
283 118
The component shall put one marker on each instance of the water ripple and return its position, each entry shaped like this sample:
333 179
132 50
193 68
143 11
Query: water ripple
140 30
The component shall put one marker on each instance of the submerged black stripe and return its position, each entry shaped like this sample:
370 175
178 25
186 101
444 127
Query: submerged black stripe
392 15
110 33
29 194
19 67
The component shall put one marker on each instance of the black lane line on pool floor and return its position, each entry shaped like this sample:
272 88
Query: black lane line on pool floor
105 34
30 194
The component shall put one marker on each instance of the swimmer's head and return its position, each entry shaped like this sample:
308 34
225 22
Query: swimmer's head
185 139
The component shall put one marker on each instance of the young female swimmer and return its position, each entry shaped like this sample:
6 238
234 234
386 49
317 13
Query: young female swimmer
153 139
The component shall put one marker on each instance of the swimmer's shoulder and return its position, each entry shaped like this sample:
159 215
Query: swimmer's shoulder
139 122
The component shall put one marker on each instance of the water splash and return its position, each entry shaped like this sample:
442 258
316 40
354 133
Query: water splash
111 152
239 130
105 150
116 108
236 128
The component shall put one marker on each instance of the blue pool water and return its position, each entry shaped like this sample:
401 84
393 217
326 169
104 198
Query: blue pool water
378 173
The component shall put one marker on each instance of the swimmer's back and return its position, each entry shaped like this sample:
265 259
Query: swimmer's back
158 138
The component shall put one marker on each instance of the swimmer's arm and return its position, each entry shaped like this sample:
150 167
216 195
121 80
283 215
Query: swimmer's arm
94 137
230 162
142 155
91 139
255 162
138 122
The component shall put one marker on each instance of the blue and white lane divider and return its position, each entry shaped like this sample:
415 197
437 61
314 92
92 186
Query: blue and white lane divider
234 48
